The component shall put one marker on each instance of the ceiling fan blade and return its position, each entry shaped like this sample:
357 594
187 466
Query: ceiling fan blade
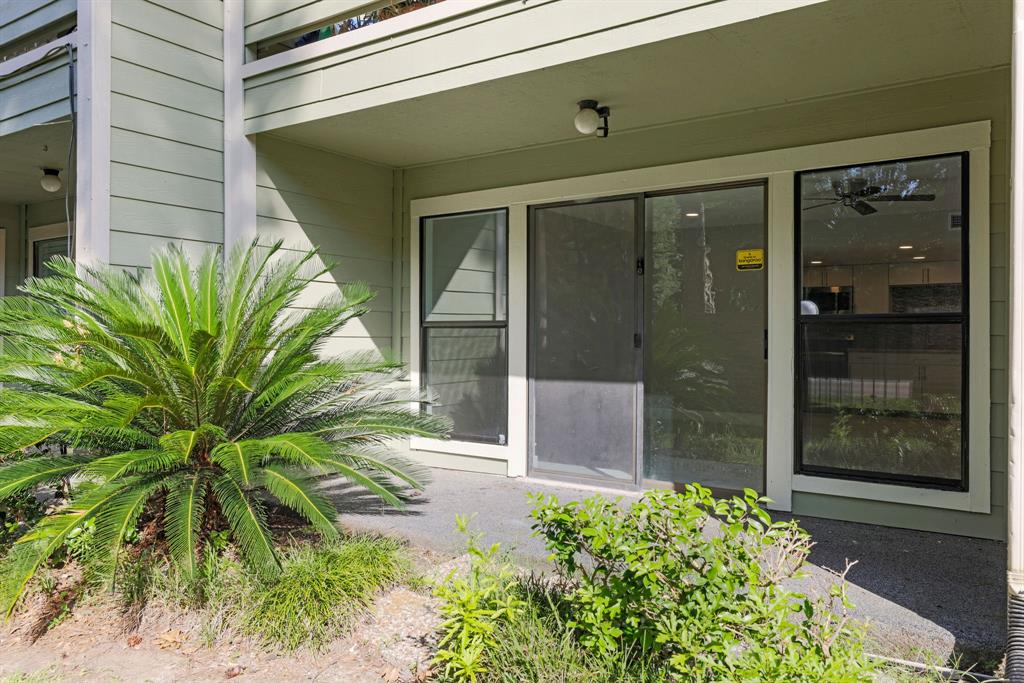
818 206
863 208
867 191
902 198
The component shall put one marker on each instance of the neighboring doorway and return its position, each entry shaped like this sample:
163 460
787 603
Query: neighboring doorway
647 338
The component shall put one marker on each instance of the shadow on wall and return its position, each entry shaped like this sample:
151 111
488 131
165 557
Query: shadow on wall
310 198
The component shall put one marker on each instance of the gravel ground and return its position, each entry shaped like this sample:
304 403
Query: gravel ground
926 596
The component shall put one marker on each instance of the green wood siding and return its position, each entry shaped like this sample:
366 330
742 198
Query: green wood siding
923 105
21 18
311 198
167 133
37 95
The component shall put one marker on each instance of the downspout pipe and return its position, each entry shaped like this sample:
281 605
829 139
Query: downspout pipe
1015 464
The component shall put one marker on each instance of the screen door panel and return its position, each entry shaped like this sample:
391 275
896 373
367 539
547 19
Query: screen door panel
583 358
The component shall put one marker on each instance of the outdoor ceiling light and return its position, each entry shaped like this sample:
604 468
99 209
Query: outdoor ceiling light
919 258
692 214
906 246
592 118
815 263
51 180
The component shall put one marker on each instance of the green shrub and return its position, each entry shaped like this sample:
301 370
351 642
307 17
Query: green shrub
535 644
321 590
659 579
474 603
188 395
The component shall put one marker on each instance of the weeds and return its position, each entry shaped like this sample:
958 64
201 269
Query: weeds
321 590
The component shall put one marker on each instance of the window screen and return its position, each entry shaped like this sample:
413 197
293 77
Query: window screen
464 313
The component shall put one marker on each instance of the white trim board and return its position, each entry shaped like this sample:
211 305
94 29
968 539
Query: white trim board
92 160
778 167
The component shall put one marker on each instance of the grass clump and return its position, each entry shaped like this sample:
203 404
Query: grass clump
321 590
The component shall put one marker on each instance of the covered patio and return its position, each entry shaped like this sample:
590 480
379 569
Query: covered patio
927 597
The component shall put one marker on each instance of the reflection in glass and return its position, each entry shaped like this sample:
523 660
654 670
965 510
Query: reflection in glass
704 373
582 354
464 273
882 398
466 369
43 251
885 238
882 321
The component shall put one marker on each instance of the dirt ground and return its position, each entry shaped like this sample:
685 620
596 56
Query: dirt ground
391 644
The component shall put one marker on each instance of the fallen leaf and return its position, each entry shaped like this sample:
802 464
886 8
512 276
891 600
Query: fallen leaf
236 670
134 640
170 640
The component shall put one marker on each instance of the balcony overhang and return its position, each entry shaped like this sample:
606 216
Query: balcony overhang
817 51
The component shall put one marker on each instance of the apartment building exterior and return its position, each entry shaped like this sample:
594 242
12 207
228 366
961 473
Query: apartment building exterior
763 244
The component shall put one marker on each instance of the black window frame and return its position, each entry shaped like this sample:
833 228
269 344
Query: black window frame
426 325
962 318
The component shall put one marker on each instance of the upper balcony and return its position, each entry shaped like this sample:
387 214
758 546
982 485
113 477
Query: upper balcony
314 60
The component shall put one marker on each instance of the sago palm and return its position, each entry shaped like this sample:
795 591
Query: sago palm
193 396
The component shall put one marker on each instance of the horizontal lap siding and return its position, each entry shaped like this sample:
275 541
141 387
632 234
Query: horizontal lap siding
308 198
37 95
924 105
167 135
21 18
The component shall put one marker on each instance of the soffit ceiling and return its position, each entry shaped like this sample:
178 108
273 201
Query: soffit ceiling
24 154
836 47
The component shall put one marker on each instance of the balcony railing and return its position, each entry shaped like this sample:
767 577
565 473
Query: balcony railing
373 13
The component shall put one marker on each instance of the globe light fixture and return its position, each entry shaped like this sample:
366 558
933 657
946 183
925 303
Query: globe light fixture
591 118
51 180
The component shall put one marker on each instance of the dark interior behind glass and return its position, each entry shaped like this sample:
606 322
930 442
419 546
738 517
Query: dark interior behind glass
881 321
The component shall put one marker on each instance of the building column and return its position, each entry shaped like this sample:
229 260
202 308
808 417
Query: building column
239 150
92 155
1015 466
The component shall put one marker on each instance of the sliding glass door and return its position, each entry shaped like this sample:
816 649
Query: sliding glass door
647 338
584 329
705 367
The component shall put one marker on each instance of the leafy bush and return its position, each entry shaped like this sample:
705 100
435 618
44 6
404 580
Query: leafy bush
658 578
535 644
187 396
474 603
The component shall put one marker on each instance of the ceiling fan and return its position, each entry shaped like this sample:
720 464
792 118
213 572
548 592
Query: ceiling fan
859 193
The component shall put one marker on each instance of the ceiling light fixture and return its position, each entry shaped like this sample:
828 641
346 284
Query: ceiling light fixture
592 118
815 263
692 214
919 258
906 246
51 180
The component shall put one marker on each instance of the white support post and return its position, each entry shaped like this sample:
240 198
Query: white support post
92 158
239 150
1015 466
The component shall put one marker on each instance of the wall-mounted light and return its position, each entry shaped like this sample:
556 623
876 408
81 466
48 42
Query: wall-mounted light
51 180
592 118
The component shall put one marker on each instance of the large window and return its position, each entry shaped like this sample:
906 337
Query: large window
464 322
882 321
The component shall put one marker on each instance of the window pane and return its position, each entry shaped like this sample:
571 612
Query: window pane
466 369
704 374
43 251
882 238
464 267
883 398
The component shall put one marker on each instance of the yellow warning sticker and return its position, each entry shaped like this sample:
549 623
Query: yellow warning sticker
749 259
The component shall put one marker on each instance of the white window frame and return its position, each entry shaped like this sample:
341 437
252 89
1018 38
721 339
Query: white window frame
779 168
41 233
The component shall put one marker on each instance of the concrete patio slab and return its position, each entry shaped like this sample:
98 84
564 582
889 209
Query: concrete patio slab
925 596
